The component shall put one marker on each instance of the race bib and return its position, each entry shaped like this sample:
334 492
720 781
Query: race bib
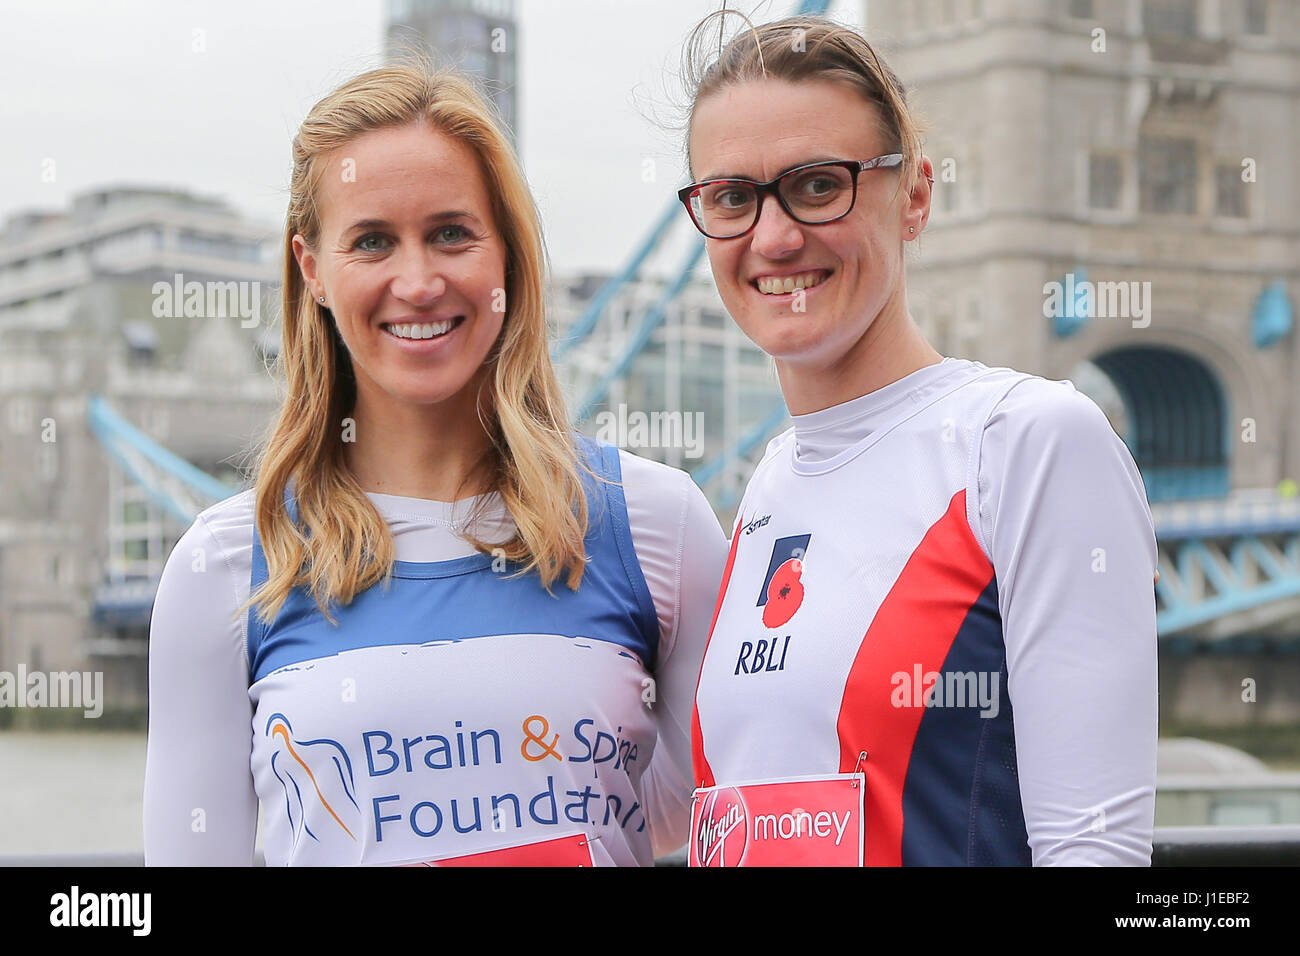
572 850
794 821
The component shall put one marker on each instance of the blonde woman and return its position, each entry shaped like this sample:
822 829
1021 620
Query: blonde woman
442 627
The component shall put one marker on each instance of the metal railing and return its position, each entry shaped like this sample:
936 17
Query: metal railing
1277 845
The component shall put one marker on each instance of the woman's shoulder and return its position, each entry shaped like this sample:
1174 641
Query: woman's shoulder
1039 428
230 514
230 521
636 475
205 579
221 535
647 470
1031 404
657 488
661 501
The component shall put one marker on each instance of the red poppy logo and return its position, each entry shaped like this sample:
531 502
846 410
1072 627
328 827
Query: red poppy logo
784 593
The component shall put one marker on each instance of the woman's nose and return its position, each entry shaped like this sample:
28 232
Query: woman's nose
776 235
420 279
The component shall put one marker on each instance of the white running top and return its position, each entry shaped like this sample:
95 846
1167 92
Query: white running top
910 566
215 746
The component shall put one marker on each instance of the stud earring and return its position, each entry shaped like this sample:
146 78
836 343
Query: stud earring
909 229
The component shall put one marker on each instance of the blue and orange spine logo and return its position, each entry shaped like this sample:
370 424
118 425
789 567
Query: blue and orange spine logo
331 784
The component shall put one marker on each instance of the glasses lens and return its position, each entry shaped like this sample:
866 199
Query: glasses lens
819 193
724 208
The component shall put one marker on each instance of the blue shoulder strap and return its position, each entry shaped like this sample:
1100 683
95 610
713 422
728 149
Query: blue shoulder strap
260 572
604 460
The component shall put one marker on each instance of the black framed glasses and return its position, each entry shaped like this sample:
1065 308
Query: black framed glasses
813 194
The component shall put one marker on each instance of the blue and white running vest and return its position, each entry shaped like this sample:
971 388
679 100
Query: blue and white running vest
462 708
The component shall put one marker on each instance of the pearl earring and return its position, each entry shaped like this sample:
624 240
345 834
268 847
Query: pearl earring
909 229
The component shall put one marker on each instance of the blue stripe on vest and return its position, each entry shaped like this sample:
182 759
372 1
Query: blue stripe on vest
464 598
961 798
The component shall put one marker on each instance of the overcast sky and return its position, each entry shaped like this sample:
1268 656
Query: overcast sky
114 92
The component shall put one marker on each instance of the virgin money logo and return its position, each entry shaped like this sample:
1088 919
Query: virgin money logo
782 591
723 829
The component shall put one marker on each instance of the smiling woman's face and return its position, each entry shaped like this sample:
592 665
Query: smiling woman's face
410 262
759 129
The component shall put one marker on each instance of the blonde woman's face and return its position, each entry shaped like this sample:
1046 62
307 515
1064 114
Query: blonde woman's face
758 130
411 264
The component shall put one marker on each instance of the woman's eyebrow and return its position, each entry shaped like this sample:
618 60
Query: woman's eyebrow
435 217
726 177
752 179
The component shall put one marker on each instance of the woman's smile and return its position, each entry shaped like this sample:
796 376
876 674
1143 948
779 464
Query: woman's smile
784 286
423 337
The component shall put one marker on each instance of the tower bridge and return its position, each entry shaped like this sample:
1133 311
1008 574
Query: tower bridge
1201 385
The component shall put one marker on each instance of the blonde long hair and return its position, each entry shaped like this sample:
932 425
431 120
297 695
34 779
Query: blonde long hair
341 545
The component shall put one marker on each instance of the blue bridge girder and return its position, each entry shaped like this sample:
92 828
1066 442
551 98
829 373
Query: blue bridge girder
1228 566
173 484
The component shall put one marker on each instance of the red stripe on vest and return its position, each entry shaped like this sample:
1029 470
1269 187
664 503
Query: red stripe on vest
915 625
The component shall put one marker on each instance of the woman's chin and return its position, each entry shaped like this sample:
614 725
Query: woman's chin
424 392
785 340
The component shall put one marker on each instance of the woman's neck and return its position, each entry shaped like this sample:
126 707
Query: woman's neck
416 451
891 348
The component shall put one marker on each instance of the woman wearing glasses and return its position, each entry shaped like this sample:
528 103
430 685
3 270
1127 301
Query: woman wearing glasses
935 641
472 634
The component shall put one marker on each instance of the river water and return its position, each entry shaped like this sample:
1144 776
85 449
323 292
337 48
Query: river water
71 792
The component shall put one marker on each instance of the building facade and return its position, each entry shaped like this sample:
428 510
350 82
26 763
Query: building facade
1139 153
479 37
158 303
